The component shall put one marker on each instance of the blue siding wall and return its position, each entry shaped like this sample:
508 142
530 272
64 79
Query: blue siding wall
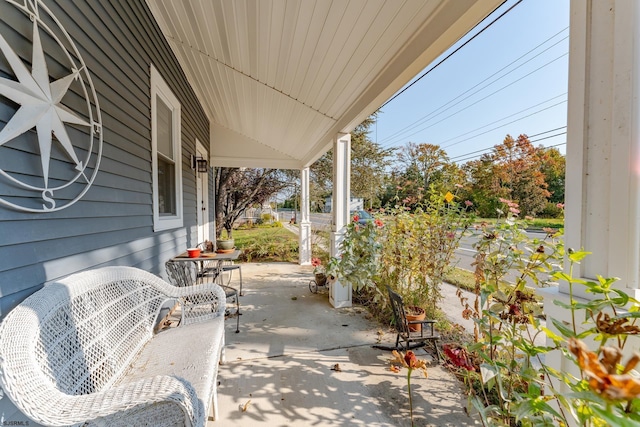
113 223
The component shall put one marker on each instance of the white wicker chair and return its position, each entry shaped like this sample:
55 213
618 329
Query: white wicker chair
82 351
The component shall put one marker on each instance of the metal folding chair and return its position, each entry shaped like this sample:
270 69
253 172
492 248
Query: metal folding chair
187 273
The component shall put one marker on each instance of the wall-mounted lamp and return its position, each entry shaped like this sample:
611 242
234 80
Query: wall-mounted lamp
200 164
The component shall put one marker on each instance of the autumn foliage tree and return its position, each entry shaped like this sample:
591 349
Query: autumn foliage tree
513 170
519 164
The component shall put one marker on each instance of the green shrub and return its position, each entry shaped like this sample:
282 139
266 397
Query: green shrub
266 244
551 210
409 251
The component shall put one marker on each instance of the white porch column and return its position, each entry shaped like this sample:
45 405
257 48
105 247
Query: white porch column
602 212
603 165
305 222
339 295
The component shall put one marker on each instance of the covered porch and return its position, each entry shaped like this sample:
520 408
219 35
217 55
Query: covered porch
282 365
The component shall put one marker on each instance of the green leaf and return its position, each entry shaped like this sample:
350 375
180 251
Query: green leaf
624 298
497 308
612 418
561 275
563 304
562 328
577 256
488 372
533 406
629 315
550 334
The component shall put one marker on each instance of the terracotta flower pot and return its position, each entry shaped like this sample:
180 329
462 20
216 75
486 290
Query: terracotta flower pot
415 313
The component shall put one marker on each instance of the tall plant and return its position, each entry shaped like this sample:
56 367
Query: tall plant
419 247
358 264
411 251
512 383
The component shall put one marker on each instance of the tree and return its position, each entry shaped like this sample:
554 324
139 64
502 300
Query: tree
369 162
520 163
419 168
368 168
483 186
424 163
239 189
513 170
553 169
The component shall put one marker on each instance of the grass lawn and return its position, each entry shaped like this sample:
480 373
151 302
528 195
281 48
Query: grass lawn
535 223
267 244
464 279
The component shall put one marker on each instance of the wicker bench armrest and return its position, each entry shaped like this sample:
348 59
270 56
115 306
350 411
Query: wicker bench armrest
122 404
201 302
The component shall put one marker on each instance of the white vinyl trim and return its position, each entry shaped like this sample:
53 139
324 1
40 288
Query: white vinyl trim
160 89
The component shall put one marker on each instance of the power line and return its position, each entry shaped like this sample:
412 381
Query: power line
458 160
451 54
426 117
486 97
491 148
504 124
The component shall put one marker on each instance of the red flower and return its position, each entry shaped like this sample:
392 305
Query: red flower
411 359
316 262
378 222
356 218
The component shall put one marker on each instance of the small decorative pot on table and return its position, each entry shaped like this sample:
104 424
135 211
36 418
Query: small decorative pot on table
225 244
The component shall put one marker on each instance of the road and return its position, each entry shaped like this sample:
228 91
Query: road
319 221
465 254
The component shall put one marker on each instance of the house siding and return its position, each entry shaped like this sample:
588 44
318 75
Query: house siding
112 224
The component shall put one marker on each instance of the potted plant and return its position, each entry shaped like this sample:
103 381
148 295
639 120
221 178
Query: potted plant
319 272
413 313
225 243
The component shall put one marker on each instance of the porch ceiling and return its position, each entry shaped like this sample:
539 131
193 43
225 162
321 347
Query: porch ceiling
279 78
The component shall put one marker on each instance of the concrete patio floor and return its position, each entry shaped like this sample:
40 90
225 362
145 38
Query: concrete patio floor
280 369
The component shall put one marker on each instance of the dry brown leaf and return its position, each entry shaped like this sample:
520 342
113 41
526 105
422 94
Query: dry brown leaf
601 373
246 406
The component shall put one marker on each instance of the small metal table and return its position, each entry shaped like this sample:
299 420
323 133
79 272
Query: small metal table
204 271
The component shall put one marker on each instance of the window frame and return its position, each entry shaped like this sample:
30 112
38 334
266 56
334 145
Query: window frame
160 89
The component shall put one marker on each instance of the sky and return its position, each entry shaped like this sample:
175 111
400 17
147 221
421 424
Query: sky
510 79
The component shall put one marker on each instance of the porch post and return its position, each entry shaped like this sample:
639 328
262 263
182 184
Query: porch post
602 212
339 295
305 222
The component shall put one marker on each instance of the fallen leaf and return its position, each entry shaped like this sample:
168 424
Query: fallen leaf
336 368
246 406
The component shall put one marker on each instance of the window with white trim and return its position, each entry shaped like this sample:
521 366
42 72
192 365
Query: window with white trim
166 149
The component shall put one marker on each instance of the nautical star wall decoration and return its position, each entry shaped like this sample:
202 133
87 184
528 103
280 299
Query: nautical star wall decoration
51 141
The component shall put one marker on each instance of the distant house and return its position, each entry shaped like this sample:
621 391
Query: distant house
119 188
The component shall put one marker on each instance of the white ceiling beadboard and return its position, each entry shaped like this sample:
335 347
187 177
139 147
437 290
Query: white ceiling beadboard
279 78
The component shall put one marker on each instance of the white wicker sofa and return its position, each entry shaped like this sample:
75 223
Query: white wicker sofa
82 351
